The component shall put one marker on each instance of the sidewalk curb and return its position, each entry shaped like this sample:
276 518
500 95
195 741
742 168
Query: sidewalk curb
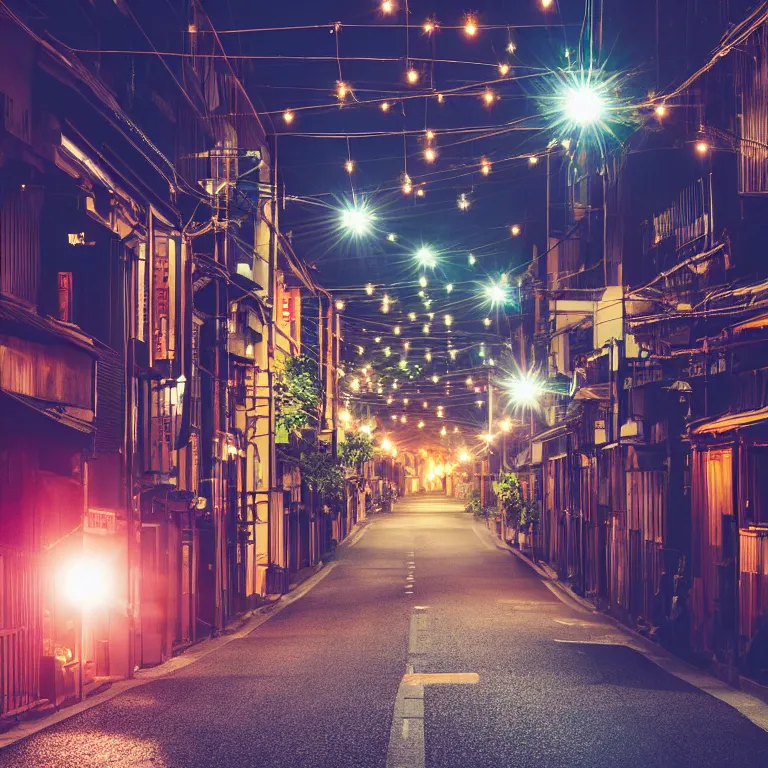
251 621
748 702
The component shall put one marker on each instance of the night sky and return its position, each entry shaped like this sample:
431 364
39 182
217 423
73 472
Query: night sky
314 147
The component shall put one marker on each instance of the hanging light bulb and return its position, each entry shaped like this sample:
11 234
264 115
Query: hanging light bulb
288 116
660 111
472 260
349 166
430 155
440 98
390 400
425 404
361 351
339 305
431 315
406 345
420 425
452 353
420 192
430 135
396 330
702 147
387 7
425 329
428 356
412 76
378 339
448 321
387 351
411 316
369 289
503 69
342 90
443 431
469 382
385 106
485 167
546 3
511 47
489 97
407 184
515 230
487 321
463 202
423 281
435 378
392 237
449 288
470 26
532 160
429 26
394 417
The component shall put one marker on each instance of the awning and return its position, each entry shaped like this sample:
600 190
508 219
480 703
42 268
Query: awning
731 421
761 321
29 324
594 392
66 415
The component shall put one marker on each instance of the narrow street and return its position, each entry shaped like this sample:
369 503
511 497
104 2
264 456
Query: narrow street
425 590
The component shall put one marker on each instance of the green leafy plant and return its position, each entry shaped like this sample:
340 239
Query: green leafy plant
509 494
473 503
297 393
355 450
325 474
530 514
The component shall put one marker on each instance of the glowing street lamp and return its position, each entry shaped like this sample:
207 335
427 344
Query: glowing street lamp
583 105
87 583
524 390
497 293
426 257
357 220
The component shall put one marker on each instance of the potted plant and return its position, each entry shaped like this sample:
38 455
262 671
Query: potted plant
510 497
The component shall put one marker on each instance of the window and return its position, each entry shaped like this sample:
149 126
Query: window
756 501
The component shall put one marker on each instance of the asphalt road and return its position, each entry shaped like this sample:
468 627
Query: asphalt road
321 683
